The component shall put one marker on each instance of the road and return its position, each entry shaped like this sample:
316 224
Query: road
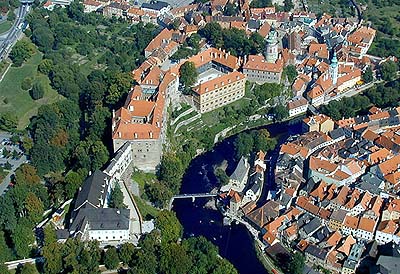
14 33
351 92
14 162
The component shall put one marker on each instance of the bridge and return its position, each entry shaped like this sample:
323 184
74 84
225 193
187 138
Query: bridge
192 196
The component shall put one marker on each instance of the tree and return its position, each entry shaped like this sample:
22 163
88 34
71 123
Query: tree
45 66
230 9
168 224
281 112
26 83
126 253
43 37
27 174
221 176
175 259
368 75
34 207
243 144
29 269
288 5
111 260
38 90
171 172
8 121
117 198
4 269
291 72
22 238
188 75
22 51
389 70
73 181
262 141
158 193
53 255
5 251
296 264
223 266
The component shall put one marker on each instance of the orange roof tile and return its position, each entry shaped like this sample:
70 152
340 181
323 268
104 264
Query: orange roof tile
257 62
390 165
367 224
388 227
333 239
379 156
345 247
351 222
319 50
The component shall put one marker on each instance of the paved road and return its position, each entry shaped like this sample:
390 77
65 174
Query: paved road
15 163
15 32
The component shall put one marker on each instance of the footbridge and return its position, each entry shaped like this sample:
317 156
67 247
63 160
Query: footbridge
192 196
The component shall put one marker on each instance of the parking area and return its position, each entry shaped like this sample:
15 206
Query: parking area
11 157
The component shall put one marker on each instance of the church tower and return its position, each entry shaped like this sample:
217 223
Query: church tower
271 53
333 69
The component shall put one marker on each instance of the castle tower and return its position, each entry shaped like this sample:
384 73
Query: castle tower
333 69
271 53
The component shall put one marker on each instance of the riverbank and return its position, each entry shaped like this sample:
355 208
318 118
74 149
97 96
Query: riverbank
235 242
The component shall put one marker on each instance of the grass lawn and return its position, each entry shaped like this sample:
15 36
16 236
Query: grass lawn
142 178
5 26
146 210
14 99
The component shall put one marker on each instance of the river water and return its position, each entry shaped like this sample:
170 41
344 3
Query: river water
234 242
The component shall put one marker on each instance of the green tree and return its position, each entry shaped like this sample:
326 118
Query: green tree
117 198
53 255
281 112
5 251
73 181
8 121
224 267
158 193
175 259
171 172
22 238
168 224
389 70
221 176
26 83
262 141
34 207
4 269
368 75
126 252
28 269
111 260
291 72
22 51
38 90
230 9
296 264
243 144
288 5
45 66
188 75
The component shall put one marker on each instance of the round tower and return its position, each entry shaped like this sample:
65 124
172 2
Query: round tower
333 69
271 53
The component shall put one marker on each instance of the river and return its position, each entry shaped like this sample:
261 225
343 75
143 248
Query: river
234 242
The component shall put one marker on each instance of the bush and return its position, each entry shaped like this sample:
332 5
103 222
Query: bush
37 91
26 83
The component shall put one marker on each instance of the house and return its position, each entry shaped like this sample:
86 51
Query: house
316 255
360 41
387 232
320 122
156 7
258 70
336 219
91 6
106 225
116 9
256 183
297 105
238 178
392 210
264 214
366 229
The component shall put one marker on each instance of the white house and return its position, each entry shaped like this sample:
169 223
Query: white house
297 105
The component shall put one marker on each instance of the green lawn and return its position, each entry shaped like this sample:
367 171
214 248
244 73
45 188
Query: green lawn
147 211
5 26
14 99
142 178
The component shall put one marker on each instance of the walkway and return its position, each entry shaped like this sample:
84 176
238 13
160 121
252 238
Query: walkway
192 196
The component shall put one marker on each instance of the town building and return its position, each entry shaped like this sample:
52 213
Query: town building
258 70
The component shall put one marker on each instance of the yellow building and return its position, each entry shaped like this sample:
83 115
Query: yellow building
219 91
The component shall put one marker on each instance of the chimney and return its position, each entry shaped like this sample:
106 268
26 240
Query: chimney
90 172
113 113
119 134
201 58
130 108
151 135
135 135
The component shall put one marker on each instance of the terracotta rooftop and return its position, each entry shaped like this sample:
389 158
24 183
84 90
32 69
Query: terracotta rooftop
345 247
257 62
319 50
351 222
390 165
367 224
